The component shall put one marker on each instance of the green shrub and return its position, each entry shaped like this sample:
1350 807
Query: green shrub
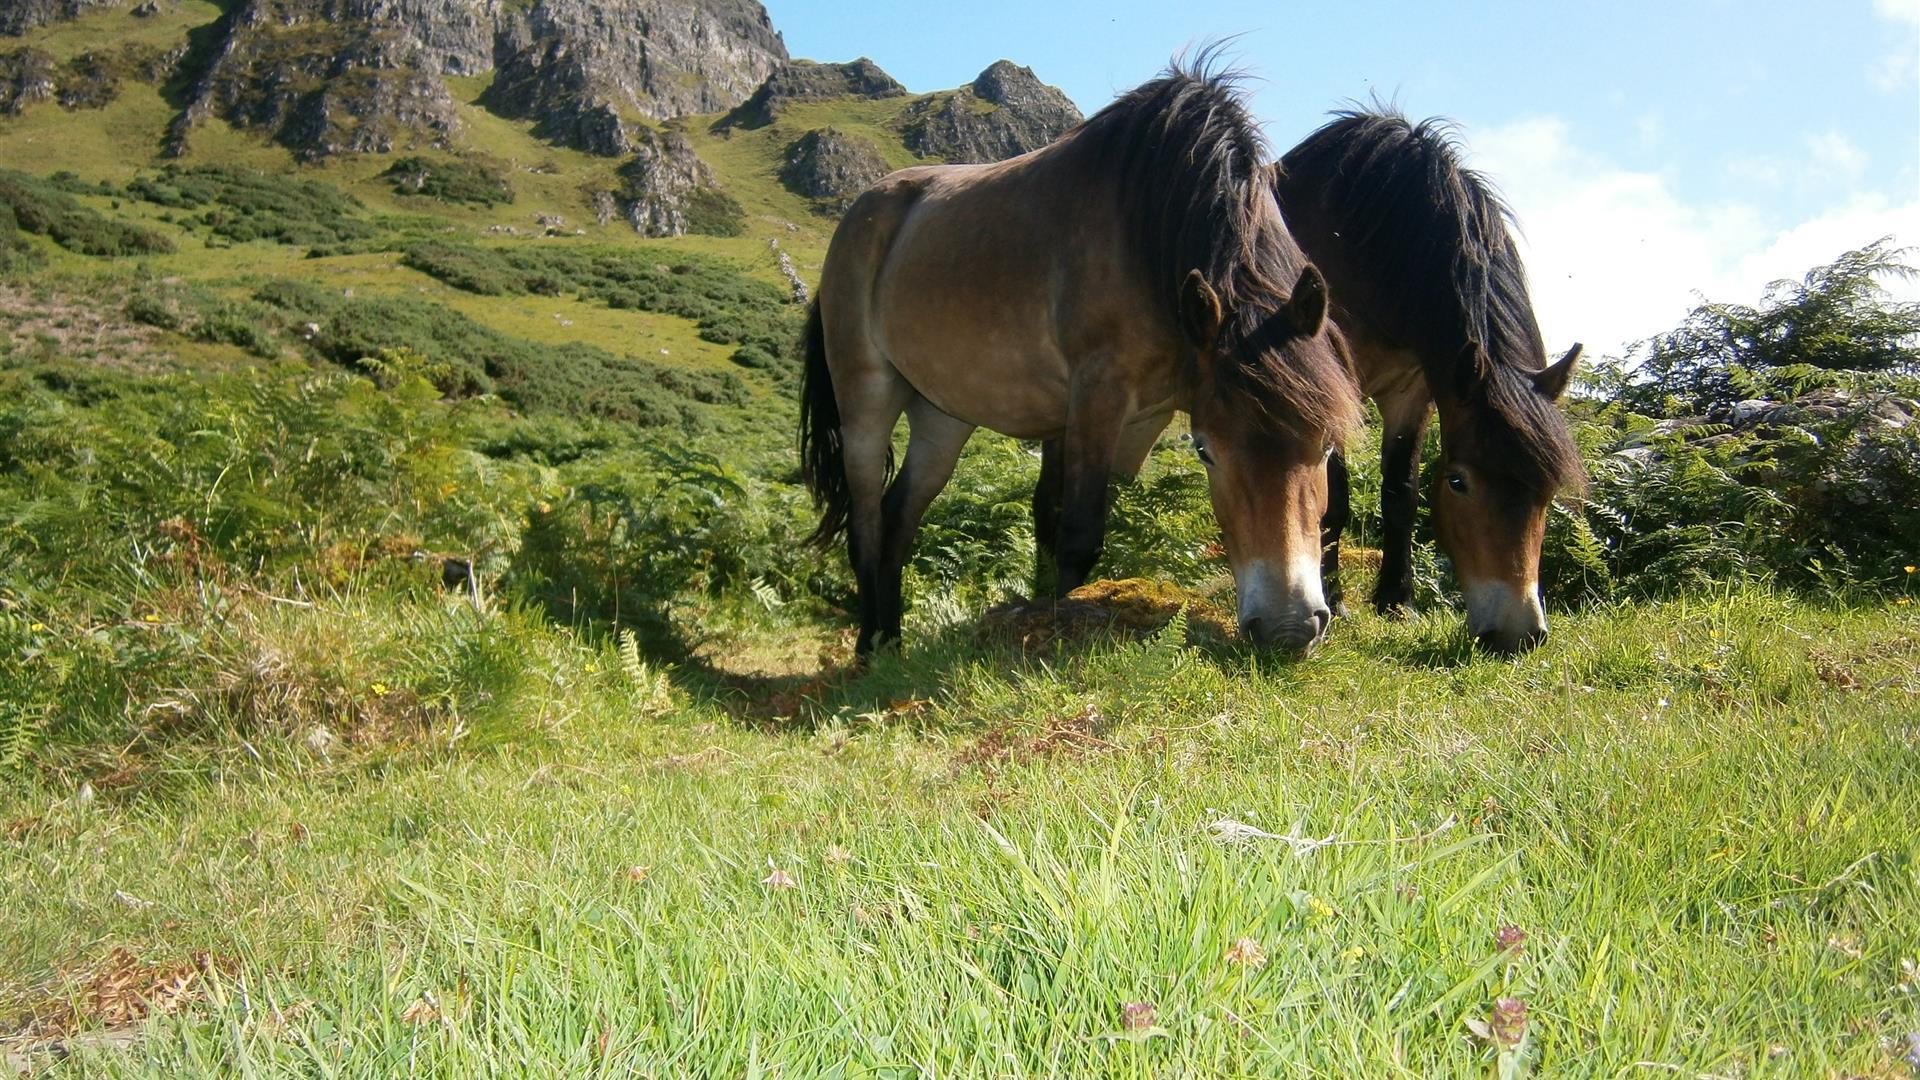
711 212
572 379
18 255
245 206
37 206
207 316
728 307
1836 318
640 530
468 181
1824 502
1821 505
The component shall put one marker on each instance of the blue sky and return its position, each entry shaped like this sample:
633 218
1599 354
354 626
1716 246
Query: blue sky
1651 151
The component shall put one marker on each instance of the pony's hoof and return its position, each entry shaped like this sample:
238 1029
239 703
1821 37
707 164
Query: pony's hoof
1396 610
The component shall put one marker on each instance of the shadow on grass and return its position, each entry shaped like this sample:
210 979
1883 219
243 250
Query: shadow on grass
900 681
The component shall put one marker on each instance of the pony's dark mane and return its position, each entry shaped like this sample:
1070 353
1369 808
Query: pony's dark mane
1435 241
1189 161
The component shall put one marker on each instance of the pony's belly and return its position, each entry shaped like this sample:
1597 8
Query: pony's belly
1016 394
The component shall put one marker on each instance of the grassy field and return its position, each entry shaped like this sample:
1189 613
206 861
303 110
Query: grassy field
1698 816
283 793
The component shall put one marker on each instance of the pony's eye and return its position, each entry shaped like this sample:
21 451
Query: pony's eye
1200 449
1458 482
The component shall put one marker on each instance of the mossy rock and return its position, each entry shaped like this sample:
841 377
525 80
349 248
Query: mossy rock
1131 608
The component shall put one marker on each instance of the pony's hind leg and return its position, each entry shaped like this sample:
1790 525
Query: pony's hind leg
933 448
871 401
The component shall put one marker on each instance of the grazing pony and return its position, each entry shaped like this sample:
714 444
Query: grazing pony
1429 291
1084 292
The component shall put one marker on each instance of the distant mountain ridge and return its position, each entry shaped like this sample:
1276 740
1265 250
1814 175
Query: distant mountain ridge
617 79
327 77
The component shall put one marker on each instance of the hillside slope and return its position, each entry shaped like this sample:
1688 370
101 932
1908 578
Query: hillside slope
547 124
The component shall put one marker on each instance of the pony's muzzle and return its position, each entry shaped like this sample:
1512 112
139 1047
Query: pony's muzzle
1505 619
1291 616
1299 637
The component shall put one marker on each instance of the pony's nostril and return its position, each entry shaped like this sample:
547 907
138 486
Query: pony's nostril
1255 630
1322 618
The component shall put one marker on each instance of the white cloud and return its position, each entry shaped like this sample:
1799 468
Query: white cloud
1615 255
1836 155
1900 10
1892 72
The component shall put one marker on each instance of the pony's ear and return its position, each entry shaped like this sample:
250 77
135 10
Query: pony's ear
1200 310
1472 368
1307 307
1552 382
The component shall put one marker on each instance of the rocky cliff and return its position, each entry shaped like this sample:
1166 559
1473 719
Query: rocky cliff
832 168
332 76
666 190
1004 112
804 80
26 78
19 16
90 80
582 69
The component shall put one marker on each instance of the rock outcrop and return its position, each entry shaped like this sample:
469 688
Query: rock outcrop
831 167
26 78
1873 434
90 80
666 190
804 80
332 76
584 65
1777 419
19 16
326 77
1005 112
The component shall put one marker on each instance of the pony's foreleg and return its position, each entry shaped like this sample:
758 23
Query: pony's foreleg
1094 424
1401 437
1046 510
933 448
869 407
1339 511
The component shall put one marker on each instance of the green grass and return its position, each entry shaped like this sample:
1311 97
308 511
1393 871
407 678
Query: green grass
1708 844
241 713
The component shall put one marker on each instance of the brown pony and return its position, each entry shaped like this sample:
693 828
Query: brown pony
1431 296
1084 293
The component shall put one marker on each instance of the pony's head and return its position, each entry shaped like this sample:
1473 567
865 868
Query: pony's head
1272 397
1504 455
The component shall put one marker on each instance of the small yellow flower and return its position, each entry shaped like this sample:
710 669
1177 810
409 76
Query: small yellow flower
1908 569
591 668
1319 908
1353 954
1902 602
380 689
151 617
1713 633
37 627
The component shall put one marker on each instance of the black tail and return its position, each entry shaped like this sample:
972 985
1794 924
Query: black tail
823 464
